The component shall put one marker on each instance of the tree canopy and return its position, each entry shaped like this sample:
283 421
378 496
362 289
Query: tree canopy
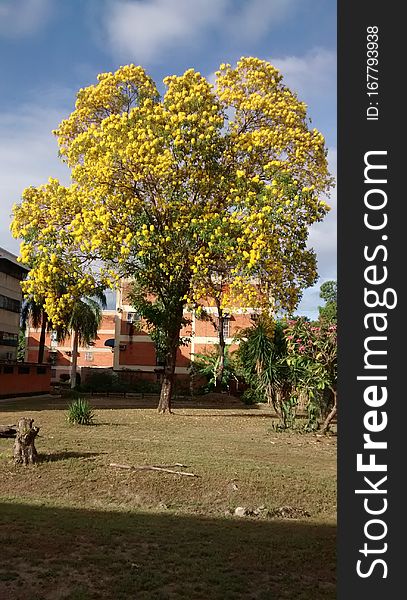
177 190
328 292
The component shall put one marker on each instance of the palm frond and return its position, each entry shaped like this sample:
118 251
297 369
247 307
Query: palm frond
31 312
85 319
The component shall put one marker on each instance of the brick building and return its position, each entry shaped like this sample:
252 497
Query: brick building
135 351
59 356
123 342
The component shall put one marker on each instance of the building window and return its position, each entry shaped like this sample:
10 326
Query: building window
132 317
226 328
23 370
8 339
89 356
41 370
11 304
52 357
54 340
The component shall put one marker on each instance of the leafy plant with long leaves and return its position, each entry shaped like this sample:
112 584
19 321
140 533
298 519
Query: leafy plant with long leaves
262 361
207 365
80 412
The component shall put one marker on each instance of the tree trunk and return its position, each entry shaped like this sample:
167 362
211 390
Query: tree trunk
173 340
222 347
24 448
331 415
74 363
269 395
41 347
167 387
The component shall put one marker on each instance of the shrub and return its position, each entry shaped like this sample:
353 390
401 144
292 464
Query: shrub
206 365
80 412
111 382
145 387
100 381
253 396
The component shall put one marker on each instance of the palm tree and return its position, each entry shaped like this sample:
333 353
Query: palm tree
83 322
262 361
33 312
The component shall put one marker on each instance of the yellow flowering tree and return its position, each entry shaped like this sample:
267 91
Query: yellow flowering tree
169 189
268 273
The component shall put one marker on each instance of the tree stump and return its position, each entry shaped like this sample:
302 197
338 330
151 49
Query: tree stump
24 448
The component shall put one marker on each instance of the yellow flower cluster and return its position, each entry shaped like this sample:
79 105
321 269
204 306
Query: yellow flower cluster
207 191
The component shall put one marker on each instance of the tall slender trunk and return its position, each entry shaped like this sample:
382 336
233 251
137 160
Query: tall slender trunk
222 348
269 395
331 415
167 387
41 347
74 363
173 336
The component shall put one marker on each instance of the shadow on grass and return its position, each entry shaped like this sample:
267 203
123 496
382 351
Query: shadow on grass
44 458
241 414
118 402
83 554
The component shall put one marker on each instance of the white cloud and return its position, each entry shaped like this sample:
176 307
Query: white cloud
28 155
257 17
19 18
312 76
145 30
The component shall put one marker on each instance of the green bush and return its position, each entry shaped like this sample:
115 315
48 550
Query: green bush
109 381
80 412
253 396
145 387
101 381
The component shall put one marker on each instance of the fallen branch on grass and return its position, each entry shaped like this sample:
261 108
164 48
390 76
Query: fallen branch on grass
153 468
8 431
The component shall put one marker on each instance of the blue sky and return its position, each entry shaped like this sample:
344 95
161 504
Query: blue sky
49 49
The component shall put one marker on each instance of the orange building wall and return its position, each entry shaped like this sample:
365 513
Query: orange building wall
138 353
184 356
96 355
134 348
24 379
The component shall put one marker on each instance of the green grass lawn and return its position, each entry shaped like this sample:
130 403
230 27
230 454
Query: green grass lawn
72 527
